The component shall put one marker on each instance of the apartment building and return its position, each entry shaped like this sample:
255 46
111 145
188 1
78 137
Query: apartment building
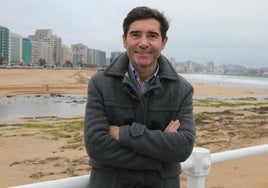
53 42
15 48
96 57
80 54
66 54
26 51
4 45
41 51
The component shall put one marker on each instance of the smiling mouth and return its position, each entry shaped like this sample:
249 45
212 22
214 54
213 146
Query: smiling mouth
143 53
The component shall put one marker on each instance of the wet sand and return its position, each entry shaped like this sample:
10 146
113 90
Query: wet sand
34 150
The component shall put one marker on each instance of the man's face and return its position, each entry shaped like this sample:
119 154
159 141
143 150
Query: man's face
144 42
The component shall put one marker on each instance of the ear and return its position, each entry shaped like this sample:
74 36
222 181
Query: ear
124 41
164 42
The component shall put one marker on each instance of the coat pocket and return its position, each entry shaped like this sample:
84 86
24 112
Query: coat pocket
119 113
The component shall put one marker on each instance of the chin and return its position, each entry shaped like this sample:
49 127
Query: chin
143 63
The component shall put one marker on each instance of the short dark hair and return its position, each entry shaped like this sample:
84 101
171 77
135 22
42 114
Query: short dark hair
140 13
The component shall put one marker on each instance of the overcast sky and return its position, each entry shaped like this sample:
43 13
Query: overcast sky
223 31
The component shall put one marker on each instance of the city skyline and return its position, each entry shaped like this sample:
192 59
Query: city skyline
226 32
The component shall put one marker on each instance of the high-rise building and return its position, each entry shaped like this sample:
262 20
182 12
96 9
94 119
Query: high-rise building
54 44
26 51
41 51
15 48
96 57
4 45
56 49
66 54
80 54
43 35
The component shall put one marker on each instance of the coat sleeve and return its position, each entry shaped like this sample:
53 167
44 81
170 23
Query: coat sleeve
165 146
99 144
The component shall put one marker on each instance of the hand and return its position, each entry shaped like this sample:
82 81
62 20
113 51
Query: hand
113 131
173 126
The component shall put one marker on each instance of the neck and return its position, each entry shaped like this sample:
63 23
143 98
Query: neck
145 72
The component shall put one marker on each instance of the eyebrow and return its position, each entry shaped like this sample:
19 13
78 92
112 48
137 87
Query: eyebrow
154 33
150 32
133 32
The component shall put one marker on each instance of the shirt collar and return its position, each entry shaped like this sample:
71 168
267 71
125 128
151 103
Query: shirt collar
145 85
137 77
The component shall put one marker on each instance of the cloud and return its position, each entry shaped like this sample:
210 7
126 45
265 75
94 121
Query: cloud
233 31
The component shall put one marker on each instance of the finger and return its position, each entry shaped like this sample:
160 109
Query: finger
173 126
169 125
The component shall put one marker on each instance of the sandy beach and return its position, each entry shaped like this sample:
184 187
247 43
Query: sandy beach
42 81
40 149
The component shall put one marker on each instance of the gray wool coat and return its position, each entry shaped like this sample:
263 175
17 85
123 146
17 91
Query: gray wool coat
145 155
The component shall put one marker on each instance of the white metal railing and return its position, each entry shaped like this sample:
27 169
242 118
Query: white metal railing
196 167
73 182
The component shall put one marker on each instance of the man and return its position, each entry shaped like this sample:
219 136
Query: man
139 123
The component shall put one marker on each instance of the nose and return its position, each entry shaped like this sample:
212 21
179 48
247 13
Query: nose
143 43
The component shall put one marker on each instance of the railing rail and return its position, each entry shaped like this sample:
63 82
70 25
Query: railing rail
239 153
196 167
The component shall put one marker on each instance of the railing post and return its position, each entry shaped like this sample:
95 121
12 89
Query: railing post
200 161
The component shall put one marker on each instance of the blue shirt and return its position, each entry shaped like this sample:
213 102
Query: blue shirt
146 84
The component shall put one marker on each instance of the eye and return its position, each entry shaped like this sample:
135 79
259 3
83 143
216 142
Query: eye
153 35
134 34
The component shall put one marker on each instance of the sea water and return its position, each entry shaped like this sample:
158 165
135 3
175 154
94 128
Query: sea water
229 80
30 106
